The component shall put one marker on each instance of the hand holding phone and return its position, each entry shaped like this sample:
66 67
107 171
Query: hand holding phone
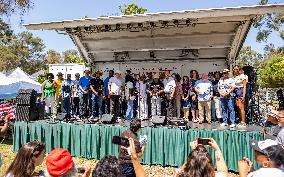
120 141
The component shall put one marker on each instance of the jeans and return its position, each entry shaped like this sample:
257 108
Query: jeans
76 106
96 101
84 104
115 103
216 108
156 106
107 105
143 109
129 112
58 101
227 104
67 105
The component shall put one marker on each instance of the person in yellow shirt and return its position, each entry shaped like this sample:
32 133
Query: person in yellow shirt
58 96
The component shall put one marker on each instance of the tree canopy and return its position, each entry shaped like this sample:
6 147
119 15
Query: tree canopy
129 9
8 7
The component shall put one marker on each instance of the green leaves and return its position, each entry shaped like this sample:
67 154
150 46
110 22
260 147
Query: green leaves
271 75
8 7
130 9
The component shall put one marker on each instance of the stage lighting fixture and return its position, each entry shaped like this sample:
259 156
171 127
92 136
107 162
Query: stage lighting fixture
176 22
152 54
165 23
188 22
129 26
117 26
152 24
107 27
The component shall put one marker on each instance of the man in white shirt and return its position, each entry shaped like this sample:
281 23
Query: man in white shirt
115 87
204 90
169 90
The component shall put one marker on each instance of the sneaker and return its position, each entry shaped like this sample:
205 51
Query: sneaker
92 117
195 120
223 124
242 125
232 125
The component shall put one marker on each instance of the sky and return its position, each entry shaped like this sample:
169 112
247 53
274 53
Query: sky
57 10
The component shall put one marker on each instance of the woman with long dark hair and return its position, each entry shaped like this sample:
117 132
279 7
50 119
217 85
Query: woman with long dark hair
199 162
29 156
241 85
187 93
194 76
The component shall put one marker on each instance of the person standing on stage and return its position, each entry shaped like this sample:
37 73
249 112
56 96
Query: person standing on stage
97 88
170 86
216 103
107 100
155 90
187 94
136 100
75 95
84 96
204 91
66 94
226 88
115 87
58 96
149 80
177 96
48 94
194 76
241 85
142 89
129 96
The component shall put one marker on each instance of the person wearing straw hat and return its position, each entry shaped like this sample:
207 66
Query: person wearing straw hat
155 90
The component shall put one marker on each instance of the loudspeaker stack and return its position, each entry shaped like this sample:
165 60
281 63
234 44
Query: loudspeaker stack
26 105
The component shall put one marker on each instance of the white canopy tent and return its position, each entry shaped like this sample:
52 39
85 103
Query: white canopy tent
18 79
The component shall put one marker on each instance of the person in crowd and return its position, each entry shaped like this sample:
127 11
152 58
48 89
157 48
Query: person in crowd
4 127
75 95
155 92
107 99
216 103
109 165
187 94
204 91
199 162
27 159
142 90
269 155
97 88
66 94
276 132
84 94
115 87
59 163
126 164
129 96
48 94
58 97
241 85
177 96
136 100
149 80
194 76
226 88
170 86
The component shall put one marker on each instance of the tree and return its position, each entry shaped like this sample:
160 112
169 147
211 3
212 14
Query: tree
132 8
271 74
247 56
72 56
8 7
266 24
52 57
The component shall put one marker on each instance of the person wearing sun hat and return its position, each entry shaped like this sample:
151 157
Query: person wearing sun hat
226 88
269 155
59 163
155 92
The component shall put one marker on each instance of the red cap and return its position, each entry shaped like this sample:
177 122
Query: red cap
59 162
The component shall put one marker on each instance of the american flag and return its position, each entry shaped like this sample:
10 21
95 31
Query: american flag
8 108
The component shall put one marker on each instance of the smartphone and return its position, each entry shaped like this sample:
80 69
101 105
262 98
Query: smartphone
120 141
203 141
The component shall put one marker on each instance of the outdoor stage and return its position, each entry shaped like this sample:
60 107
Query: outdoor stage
166 146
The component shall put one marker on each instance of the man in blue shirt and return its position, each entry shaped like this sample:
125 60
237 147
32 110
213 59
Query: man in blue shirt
84 94
204 91
66 94
107 99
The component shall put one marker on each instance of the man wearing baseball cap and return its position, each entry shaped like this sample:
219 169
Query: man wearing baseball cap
269 155
59 163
